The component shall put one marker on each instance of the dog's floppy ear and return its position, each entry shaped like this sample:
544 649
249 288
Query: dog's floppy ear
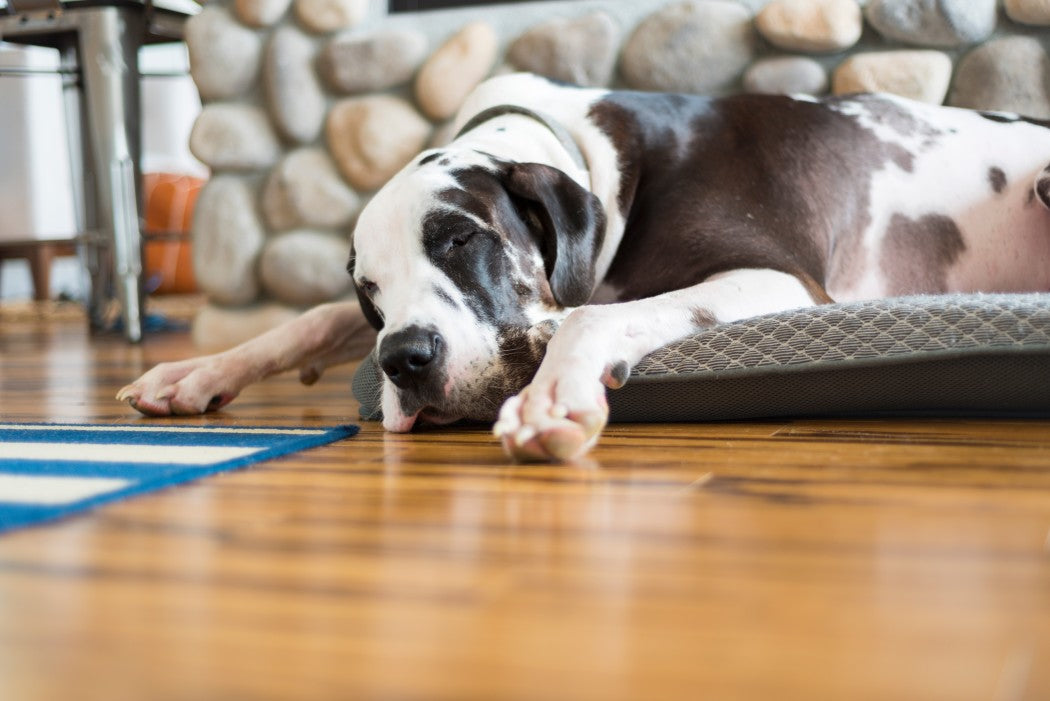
571 227
367 308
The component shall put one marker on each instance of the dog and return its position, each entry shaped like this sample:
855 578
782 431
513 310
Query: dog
566 232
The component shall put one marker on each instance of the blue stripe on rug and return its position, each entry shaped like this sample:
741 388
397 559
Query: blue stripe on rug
53 470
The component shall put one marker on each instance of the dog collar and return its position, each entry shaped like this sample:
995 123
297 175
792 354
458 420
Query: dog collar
560 132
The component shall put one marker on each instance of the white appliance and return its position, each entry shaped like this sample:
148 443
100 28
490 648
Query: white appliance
36 185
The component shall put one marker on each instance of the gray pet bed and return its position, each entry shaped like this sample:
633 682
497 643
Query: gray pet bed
931 355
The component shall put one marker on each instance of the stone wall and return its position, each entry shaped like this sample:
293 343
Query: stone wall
311 105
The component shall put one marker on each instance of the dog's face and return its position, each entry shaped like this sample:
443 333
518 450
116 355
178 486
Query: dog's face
466 264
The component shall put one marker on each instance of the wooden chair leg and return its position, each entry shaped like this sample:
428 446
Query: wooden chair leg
40 258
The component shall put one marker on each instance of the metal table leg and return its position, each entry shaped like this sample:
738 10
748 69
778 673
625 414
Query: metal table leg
108 42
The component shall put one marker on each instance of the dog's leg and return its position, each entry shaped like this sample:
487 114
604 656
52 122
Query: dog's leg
560 414
326 335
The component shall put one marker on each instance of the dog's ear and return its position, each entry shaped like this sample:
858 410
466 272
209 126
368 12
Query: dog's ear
570 223
367 308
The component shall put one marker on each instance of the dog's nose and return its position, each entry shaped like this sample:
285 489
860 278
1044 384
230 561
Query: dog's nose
408 356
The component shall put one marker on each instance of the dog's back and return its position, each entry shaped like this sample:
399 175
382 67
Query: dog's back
867 195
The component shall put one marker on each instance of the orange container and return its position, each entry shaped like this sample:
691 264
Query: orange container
169 201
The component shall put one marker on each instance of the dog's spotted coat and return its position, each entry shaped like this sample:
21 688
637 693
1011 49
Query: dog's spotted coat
506 279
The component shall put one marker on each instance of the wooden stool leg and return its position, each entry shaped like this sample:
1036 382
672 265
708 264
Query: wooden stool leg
40 258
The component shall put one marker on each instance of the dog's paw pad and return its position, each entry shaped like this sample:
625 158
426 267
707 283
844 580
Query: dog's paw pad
534 426
564 440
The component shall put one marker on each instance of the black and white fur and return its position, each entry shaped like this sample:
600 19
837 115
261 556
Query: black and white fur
506 280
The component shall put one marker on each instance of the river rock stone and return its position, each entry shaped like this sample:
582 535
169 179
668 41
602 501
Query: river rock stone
260 13
373 137
941 23
227 239
455 69
293 93
305 267
1035 12
698 46
810 25
305 189
1011 74
786 75
224 55
371 63
216 328
323 16
580 51
442 135
233 137
919 75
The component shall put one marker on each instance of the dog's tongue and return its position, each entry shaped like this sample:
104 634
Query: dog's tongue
399 423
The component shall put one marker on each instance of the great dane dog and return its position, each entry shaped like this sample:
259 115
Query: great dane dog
565 233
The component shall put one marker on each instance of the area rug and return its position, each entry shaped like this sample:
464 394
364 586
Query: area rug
53 470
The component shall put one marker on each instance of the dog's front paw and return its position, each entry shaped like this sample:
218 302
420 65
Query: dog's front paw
186 387
554 419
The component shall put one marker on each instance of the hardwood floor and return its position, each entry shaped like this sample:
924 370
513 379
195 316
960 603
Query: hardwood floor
766 560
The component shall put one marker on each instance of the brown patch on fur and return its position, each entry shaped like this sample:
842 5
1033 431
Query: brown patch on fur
520 354
815 290
703 318
997 179
478 200
918 253
707 186
892 115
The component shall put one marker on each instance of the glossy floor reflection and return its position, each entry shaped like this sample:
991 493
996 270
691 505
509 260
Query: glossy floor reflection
766 560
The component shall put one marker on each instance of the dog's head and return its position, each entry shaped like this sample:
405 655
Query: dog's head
466 264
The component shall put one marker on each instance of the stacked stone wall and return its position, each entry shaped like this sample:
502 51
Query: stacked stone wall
311 105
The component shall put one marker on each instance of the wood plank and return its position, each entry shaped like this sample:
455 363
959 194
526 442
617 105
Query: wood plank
861 559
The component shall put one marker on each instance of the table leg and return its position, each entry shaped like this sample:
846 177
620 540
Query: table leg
109 40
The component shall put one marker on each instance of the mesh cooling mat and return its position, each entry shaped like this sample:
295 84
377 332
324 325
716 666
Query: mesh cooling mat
954 354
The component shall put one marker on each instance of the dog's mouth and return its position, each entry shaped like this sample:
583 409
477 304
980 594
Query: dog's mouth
471 407
402 421
437 417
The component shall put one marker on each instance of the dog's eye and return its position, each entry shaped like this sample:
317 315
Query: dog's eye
368 287
461 238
